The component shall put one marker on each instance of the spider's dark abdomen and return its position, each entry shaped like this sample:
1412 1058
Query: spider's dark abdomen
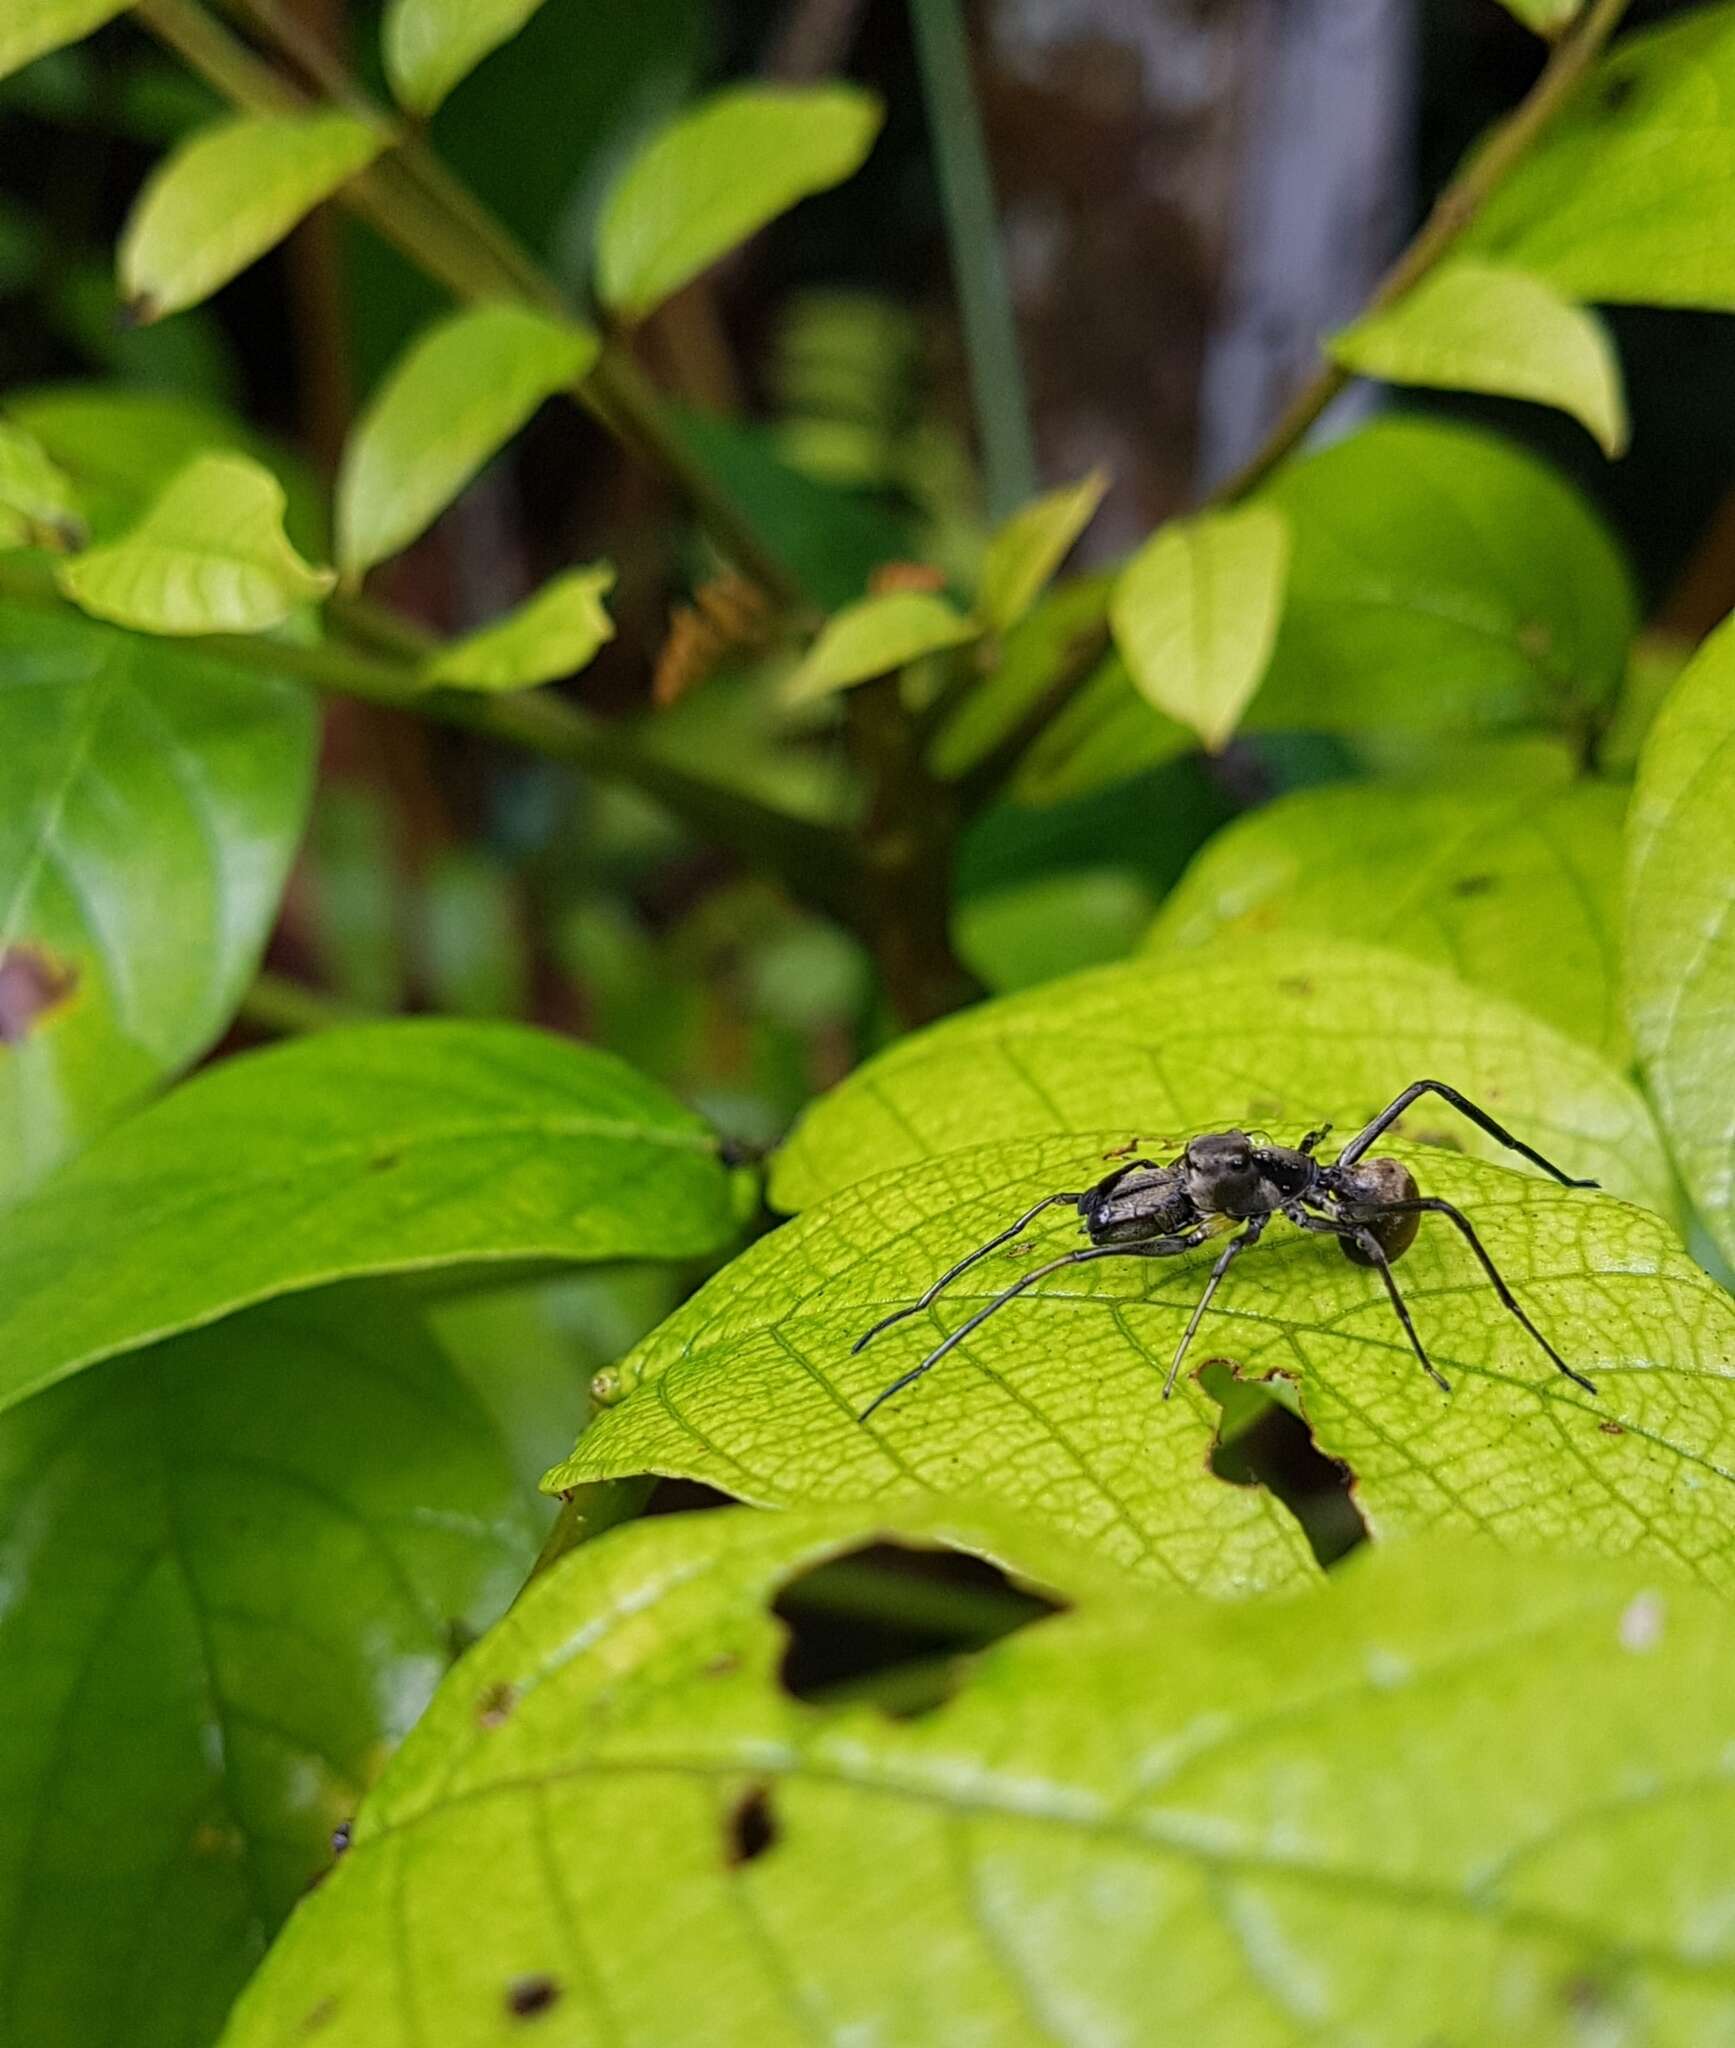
1382 1180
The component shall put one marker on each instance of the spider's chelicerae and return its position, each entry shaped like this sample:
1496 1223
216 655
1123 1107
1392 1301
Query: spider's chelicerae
1148 1210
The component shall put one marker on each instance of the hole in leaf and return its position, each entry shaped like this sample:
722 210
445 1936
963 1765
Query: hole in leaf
891 1625
529 1997
686 1497
751 1827
1261 1441
32 983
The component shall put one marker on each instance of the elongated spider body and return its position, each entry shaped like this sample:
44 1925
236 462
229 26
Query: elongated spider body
1149 1209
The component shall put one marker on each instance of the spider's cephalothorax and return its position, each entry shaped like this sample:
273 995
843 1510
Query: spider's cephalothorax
1148 1209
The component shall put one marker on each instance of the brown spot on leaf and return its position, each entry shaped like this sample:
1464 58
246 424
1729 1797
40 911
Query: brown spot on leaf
751 1827
320 2016
1472 885
1611 1429
1296 985
496 1704
527 1998
32 982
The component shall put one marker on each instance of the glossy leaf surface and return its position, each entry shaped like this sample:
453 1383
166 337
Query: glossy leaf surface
1681 927
151 798
1147 1819
237 1564
384 1148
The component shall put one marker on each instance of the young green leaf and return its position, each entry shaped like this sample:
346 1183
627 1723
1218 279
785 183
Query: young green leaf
716 176
217 1652
209 556
151 798
231 192
1681 927
1475 867
1195 614
1547 17
386 1148
554 634
872 638
1479 327
1251 1032
37 491
31 28
1624 196
1442 1800
453 400
1055 1406
429 46
1030 546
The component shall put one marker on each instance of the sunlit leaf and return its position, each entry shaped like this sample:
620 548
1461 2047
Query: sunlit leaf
209 556
1442 1800
1195 614
37 491
1477 327
1681 927
1624 195
1256 1032
150 800
385 1148
874 637
1506 869
716 176
227 195
458 395
554 634
207 1661
1030 546
430 45
30 28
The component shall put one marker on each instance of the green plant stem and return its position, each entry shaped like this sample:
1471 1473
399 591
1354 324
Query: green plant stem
586 1513
1452 214
288 1009
978 264
413 201
811 861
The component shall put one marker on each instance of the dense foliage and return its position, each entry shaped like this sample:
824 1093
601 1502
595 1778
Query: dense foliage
1039 1706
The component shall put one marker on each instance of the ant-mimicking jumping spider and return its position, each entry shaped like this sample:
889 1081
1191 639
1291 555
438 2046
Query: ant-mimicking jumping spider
1148 1210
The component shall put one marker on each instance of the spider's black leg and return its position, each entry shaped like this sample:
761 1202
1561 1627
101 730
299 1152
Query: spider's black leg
1251 1235
1313 1138
1436 1205
1152 1248
1462 1103
963 1266
1371 1248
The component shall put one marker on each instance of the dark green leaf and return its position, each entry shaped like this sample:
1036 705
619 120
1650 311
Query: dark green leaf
386 1148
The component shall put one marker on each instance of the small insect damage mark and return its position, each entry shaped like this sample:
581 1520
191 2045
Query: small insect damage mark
895 1626
319 2017
750 1827
1614 95
1612 1428
1474 885
1300 986
528 1998
1261 1442
33 982
495 1706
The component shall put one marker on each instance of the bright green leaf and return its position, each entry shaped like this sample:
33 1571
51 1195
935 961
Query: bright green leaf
1507 870
1547 17
1442 1801
1257 1032
1195 614
229 194
1474 327
1681 927
150 800
1624 196
31 28
121 446
456 397
386 1148
1030 546
1055 1406
237 1564
36 490
716 176
209 556
429 46
874 637
555 634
